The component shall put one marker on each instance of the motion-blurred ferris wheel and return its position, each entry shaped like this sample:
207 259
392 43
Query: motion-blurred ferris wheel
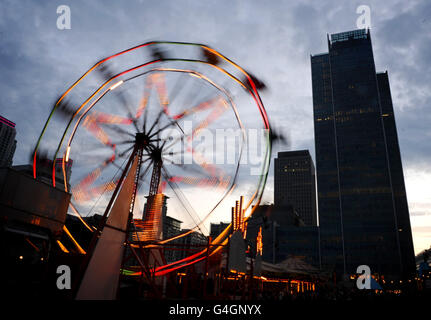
162 118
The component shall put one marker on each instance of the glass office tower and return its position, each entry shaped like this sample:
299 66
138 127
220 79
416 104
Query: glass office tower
363 211
294 184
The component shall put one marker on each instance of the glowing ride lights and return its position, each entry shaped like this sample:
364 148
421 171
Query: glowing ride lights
259 244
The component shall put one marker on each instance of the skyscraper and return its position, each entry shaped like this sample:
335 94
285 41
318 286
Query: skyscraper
7 142
363 211
217 228
294 184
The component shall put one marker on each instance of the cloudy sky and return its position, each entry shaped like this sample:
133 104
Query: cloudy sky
273 40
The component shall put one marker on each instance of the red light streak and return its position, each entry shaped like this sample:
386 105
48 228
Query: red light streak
161 273
181 261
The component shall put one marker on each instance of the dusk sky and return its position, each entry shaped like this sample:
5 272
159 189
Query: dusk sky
272 39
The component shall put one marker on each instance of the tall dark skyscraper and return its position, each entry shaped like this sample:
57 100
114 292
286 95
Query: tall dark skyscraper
363 211
294 184
7 142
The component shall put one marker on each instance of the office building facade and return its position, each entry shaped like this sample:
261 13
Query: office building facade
284 235
217 228
294 184
7 142
44 172
363 212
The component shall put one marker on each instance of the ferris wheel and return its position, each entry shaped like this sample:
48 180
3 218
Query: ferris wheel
162 124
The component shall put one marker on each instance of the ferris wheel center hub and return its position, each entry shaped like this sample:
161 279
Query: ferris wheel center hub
142 140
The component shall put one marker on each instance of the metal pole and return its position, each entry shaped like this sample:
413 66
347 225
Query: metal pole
130 218
101 225
206 267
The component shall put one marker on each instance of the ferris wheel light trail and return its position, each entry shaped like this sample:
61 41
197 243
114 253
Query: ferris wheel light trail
67 154
119 83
